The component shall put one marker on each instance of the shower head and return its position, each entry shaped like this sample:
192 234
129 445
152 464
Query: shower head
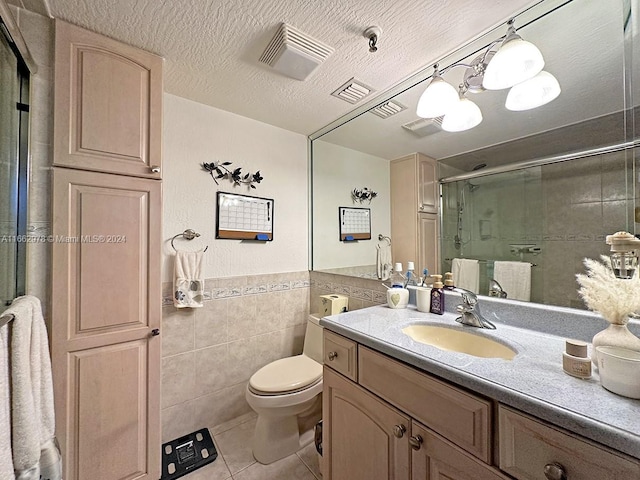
472 186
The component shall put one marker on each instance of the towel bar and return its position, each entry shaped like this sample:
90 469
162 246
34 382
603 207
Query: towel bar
188 234
6 319
384 237
487 261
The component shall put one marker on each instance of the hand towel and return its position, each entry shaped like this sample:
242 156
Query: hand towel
466 274
32 410
6 457
514 278
188 283
384 265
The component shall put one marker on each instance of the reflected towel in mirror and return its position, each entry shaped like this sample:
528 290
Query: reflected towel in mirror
514 278
384 265
466 274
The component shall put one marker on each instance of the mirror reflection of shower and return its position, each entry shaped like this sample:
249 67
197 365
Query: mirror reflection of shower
461 238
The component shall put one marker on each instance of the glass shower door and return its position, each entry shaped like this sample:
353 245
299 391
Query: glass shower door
9 171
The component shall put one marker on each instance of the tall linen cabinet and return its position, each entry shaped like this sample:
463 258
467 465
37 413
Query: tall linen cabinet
106 291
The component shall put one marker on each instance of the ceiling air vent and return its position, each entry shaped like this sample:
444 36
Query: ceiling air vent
424 127
388 109
353 91
294 53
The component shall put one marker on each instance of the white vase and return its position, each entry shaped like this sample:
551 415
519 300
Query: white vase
614 335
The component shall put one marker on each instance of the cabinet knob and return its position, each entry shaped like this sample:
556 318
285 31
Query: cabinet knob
399 430
555 471
415 441
333 356
155 169
155 332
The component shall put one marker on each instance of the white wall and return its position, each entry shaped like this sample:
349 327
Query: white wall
336 172
195 133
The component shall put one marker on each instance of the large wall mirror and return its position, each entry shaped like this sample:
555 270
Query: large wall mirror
555 180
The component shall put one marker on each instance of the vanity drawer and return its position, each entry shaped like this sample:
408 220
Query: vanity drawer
341 354
527 446
463 418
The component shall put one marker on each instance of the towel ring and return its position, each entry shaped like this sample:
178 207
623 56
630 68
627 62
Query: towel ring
188 234
384 237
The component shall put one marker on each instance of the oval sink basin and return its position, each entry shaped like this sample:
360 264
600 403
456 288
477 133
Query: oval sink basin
460 341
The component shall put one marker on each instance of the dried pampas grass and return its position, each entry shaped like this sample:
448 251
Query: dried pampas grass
615 299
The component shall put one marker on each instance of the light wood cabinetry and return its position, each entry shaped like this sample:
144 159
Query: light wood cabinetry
106 292
108 104
528 446
438 459
105 320
396 415
358 431
414 211
342 354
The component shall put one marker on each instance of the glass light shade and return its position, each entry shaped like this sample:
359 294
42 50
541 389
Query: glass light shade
463 115
515 61
533 93
437 99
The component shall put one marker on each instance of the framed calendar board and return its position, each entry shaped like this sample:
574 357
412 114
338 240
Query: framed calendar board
242 217
355 223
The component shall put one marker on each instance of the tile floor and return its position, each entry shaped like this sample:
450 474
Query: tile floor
235 460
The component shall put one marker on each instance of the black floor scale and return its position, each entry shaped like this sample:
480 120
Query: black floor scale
186 454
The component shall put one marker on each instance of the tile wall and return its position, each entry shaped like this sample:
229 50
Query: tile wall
209 353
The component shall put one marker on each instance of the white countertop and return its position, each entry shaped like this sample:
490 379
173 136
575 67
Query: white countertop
533 382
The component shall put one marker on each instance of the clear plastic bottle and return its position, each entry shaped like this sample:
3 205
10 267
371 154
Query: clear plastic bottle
397 279
410 277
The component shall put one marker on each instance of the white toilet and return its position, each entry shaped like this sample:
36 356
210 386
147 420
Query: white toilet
287 396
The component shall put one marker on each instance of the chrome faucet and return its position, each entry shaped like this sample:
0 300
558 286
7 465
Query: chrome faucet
470 311
496 290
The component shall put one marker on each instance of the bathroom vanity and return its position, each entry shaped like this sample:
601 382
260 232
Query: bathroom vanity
395 408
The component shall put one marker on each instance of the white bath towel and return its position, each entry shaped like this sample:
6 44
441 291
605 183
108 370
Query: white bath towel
514 278
466 273
383 261
188 283
32 410
6 458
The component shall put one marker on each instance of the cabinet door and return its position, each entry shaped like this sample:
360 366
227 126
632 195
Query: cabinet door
105 308
358 435
108 104
429 241
404 207
435 458
428 196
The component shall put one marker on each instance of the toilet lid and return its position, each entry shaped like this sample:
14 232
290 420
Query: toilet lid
286 375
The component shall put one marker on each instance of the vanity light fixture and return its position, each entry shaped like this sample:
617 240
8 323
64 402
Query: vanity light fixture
463 115
515 64
438 98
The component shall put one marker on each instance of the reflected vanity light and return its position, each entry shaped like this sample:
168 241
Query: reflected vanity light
462 116
533 93
516 63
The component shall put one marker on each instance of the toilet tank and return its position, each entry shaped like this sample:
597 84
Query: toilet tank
313 344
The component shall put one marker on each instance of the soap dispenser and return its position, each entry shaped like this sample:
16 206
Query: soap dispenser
437 296
448 281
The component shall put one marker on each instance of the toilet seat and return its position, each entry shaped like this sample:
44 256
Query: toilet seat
287 375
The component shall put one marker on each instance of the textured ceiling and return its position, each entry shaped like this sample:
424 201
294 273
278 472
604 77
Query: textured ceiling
582 44
212 48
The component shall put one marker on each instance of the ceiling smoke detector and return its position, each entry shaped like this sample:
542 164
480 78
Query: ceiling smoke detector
424 127
353 91
294 53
